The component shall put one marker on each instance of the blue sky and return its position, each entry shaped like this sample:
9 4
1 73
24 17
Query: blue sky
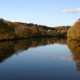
45 12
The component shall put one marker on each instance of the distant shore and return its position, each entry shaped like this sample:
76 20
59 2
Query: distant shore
18 30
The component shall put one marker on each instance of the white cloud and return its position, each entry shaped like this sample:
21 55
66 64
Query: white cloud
71 11
50 11
77 10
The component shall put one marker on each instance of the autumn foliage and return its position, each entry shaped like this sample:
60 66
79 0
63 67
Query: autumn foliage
16 30
74 31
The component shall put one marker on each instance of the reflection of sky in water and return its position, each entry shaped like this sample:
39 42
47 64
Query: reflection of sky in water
44 62
54 52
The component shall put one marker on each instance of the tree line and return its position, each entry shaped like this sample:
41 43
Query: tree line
16 30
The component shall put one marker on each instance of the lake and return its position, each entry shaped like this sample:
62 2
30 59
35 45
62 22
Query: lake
40 59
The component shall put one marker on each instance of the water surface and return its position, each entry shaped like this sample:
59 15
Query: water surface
39 59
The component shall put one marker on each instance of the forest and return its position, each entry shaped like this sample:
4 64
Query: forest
19 30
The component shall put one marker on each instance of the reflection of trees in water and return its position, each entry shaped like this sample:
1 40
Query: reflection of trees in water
75 49
8 48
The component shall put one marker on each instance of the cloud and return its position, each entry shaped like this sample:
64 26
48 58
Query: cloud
68 11
71 11
50 11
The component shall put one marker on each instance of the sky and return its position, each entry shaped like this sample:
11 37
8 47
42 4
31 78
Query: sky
45 12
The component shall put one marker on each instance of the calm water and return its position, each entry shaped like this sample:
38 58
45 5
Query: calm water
40 59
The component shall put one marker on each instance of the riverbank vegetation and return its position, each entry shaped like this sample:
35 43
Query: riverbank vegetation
74 32
18 30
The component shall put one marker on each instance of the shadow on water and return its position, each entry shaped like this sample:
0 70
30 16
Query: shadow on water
74 47
9 48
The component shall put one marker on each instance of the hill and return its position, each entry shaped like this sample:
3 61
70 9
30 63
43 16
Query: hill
18 30
74 31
